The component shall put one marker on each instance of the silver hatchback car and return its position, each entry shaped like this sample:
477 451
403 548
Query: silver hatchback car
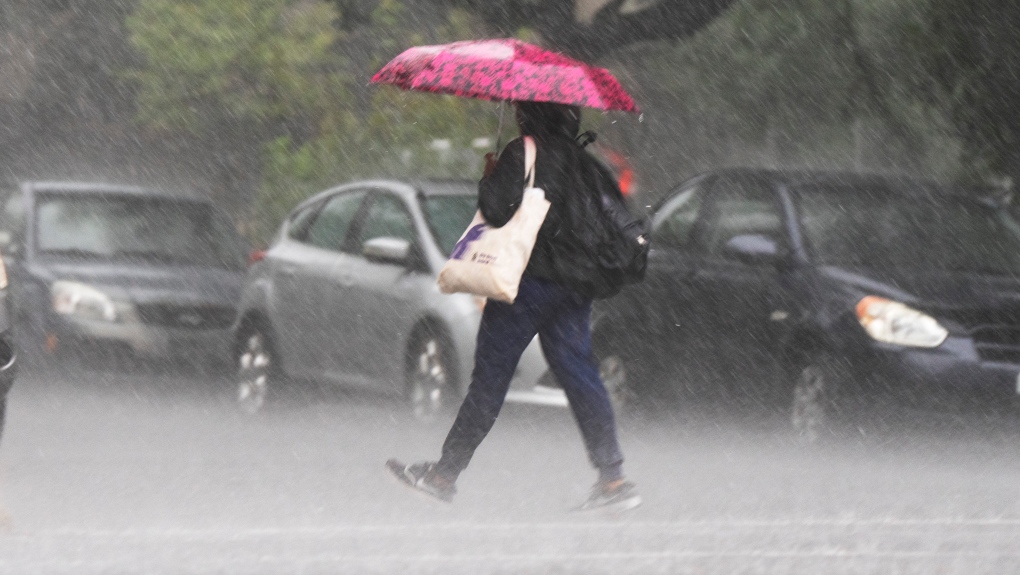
347 293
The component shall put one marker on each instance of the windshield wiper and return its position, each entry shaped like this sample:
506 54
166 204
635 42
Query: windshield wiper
74 253
154 255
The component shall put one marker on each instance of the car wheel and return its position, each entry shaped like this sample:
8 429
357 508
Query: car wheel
814 398
617 375
429 376
255 370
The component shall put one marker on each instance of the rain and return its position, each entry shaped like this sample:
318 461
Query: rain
219 310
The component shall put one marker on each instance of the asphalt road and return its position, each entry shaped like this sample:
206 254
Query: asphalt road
158 474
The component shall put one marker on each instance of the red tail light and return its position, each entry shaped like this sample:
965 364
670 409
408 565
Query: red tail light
627 181
621 166
256 256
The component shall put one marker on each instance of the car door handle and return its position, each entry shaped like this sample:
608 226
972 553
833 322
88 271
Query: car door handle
344 281
288 272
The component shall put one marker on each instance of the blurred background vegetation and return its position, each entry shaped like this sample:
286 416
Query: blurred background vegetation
261 103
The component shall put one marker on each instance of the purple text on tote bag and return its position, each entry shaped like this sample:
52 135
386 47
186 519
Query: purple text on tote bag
469 236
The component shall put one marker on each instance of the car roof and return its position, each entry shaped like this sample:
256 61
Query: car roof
72 187
447 187
407 188
821 179
425 186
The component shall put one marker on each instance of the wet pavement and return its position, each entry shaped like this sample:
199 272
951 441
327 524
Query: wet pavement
159 474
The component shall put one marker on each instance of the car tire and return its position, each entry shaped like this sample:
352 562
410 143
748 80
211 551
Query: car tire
256 373
430 380
618 372
818 386
628 378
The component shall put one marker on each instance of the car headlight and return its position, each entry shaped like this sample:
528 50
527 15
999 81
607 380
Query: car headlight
82 300
893 322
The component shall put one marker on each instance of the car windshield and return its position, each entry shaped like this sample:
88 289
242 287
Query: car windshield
878 229
120 227
449 215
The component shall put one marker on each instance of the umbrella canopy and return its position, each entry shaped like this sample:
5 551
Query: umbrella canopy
505 69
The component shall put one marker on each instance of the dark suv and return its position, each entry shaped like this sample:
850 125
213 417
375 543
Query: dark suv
116 273
820 290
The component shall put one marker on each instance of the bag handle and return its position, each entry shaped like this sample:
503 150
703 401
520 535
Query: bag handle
530 153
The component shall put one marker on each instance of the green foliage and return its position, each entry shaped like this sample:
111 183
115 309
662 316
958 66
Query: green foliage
926 86
279 71
970 51
395 134
815 83
210 62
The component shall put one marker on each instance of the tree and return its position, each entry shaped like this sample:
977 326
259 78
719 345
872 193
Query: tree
63 107
236 74
384 132
970 53
803 83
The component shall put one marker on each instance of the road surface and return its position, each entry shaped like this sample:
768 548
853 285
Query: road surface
159 474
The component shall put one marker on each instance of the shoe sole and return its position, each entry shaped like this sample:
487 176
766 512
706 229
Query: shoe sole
625 505
397 471
618 507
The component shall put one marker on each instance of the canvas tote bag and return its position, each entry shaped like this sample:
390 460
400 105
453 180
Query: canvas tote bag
489 261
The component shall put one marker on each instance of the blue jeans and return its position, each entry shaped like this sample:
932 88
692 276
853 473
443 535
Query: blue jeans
562 320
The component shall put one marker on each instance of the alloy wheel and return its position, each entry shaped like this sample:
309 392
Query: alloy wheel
429 379
614 374
254 364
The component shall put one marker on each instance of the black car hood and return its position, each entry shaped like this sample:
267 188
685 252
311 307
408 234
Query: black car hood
147 283
933 289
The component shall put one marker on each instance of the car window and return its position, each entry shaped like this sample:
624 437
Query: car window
742 207
449 216
674 222
233 245
882 229
151 229
331 224
386 217
298 224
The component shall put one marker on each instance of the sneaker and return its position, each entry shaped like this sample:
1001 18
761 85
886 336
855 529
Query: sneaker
617 495
423 477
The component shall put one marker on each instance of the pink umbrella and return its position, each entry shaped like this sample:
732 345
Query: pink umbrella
502 70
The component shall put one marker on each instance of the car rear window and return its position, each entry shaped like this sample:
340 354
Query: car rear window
121 227
448 216
881 229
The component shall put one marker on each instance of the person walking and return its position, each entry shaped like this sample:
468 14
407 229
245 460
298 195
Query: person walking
546 305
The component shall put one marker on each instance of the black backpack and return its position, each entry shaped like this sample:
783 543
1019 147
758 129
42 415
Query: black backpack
608 245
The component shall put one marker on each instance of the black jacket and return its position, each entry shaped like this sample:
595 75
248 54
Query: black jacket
557 172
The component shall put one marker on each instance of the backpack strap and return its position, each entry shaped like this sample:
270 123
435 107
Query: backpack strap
530 153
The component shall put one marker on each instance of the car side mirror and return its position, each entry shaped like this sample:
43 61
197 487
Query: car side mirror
387 250
753 249
10 243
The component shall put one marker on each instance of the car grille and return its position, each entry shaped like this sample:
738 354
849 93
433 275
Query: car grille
187 316
999 343
994 331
